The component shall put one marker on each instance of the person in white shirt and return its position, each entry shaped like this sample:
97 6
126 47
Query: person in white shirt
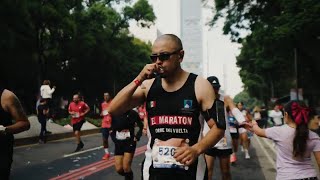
277 116
257 116
46 93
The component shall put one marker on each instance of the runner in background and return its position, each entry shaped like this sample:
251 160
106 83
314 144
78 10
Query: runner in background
125 140
244 138
234 131
78 109
276 115
144 118
106 124
257 116
223 149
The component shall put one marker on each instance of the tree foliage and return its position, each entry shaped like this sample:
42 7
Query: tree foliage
79 45
278 29
249 102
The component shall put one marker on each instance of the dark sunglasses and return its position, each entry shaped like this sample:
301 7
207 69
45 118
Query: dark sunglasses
163 56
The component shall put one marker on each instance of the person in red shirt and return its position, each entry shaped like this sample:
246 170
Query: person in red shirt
106 124
143 116
78 109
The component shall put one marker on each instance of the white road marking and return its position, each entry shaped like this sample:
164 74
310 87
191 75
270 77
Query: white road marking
80 152
48 142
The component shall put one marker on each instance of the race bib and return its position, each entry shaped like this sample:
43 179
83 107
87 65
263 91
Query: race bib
105 112
76 115
163 152
233 129
123 135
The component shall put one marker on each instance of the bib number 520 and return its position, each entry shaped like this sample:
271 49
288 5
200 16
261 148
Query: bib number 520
166 151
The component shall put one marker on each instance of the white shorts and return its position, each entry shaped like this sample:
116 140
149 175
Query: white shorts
242 130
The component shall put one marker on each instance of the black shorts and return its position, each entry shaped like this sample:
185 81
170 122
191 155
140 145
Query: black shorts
6 153
235 135
78 126
214 152
105 133
122 147
177 174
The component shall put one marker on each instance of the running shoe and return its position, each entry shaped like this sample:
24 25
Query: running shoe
233 158
247 156
106 156
241 148
79 146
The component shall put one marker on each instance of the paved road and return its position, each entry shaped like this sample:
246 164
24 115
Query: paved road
54 161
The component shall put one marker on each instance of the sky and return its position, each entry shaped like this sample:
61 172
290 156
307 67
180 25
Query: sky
218 51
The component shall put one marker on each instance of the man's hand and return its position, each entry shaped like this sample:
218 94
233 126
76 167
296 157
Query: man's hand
2 130
186 155
147 72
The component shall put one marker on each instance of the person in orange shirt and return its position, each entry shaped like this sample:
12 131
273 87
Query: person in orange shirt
106 124
78 109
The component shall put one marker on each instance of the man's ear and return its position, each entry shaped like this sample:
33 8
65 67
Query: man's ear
181 54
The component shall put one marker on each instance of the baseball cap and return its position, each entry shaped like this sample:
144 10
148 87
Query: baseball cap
214 81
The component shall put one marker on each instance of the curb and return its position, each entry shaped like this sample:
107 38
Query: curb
52 137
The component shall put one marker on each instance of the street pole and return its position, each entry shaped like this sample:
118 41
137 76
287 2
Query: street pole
296 72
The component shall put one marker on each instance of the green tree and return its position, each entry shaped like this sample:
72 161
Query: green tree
278 28
247 100
79 45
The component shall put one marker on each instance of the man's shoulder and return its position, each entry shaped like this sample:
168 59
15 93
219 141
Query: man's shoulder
201 80
203 86
82 103
7 96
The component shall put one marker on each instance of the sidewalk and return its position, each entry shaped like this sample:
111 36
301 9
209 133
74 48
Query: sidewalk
58 132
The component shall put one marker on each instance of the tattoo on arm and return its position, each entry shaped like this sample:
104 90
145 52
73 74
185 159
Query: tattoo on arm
17 106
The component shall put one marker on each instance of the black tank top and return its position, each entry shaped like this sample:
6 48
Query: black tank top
5 117
125 121
174 114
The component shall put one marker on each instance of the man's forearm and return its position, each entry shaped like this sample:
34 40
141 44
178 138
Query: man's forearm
86 112
121 103
18 127
209 140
